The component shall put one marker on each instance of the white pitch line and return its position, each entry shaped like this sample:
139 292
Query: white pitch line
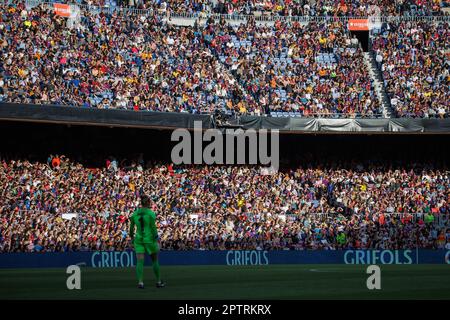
328 271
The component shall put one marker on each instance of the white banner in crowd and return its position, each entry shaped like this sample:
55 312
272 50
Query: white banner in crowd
69 216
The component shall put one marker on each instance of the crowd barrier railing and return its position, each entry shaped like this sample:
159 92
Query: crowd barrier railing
239 17
357 115
323 214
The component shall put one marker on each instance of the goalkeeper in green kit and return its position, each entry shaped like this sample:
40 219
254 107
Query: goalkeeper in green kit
146 240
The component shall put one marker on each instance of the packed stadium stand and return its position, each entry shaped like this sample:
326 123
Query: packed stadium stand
414 59
60 190
73 188
145 60
312 69
222 207
357 8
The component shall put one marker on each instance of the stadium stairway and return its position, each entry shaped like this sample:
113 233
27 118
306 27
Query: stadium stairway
229 75
377 78
334 203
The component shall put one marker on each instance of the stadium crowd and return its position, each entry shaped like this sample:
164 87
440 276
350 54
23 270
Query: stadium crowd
415 62
157 6
135 63
142 62
62 205
357 8
314 69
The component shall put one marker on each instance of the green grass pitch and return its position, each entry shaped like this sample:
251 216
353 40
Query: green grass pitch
233 282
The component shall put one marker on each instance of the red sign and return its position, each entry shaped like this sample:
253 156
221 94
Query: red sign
358 24
61 9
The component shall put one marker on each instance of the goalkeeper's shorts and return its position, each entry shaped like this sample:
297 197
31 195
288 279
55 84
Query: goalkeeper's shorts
148 248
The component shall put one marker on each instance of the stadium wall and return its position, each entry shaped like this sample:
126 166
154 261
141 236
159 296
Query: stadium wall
404 125
122 259
171 120
101 117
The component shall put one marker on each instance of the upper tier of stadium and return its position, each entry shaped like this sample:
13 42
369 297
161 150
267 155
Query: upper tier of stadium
145 60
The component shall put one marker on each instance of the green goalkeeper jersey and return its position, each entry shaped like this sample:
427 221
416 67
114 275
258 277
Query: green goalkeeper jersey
144 220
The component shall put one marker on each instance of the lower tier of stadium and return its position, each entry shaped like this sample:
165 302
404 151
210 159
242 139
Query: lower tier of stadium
383 192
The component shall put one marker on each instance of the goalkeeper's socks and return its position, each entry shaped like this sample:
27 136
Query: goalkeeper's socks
156 270
140 270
